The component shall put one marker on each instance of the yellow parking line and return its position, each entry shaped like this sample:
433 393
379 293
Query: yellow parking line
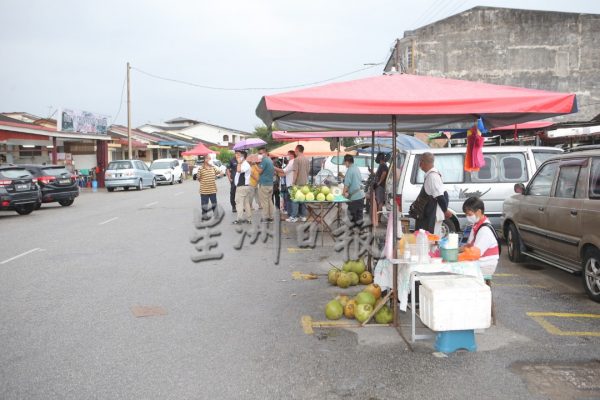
306 322
519 285
504 275
296 250
540 318
297 275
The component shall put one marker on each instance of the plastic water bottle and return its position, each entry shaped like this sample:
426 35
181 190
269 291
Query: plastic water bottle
423 247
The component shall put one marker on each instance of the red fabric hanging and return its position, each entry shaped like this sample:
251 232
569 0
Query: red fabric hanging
474 155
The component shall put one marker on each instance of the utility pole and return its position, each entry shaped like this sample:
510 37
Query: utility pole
130 156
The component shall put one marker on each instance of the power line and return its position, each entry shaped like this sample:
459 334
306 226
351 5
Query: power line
203 86
121 101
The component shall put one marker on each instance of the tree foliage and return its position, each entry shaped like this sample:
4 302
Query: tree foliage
223 155
264 133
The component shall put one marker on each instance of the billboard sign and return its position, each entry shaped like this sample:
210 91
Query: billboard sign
78 121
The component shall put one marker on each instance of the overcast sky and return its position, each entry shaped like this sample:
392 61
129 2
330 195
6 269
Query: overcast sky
73 54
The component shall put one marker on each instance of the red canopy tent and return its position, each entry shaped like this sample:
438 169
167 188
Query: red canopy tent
199 150
294 136
409 103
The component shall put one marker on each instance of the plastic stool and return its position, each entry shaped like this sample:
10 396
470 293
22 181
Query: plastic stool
450 341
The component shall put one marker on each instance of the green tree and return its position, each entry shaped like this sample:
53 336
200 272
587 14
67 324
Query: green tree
264 133
223 155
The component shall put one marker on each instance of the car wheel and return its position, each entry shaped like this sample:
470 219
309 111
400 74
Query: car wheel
153 183
194 177
513 241
66 203
172 180
448 226
140 185
126 188
591 274
180 178
25 209
110 189
38 206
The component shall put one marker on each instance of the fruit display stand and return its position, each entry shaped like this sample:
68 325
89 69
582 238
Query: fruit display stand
318 211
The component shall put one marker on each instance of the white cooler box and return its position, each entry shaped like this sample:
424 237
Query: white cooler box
454 303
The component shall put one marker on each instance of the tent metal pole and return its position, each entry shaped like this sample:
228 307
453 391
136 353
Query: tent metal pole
394 223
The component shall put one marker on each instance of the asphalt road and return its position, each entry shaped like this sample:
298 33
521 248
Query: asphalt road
69 278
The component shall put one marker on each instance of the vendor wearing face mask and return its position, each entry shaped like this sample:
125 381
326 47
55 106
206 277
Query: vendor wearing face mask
483 236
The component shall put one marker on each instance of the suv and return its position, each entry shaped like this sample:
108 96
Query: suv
56 183
128 173
555 218
167 170
332 163
18 189
504 166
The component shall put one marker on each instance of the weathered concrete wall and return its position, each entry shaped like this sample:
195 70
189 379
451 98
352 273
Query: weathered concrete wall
526 48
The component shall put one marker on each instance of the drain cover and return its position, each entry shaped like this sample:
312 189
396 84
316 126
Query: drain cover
562 381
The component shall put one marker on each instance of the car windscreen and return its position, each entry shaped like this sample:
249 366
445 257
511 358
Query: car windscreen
541 156
119 165
161 165
55 171
15 173
359 161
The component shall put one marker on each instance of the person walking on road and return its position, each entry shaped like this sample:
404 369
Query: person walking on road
433 195
277 182
243 189
265 181
287 173
231 171
207 176
185 168
353 191
301 170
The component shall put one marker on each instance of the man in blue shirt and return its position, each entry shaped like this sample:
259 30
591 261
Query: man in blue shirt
265 182
353 190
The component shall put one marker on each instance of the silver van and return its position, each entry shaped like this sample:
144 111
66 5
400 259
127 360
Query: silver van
504 167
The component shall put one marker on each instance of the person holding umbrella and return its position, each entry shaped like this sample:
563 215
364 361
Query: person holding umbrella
265 191
242 192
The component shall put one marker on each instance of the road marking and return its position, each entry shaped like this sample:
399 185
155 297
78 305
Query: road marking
504 275
540 318
178 193
108 220
296 250
151 204
306 322
297 275
518 285
20 255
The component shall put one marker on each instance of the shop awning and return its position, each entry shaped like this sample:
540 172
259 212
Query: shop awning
525 126
27 128
134 143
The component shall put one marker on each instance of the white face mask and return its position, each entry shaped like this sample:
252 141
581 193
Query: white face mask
472 219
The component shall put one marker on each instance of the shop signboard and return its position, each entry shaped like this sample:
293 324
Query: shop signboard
78 121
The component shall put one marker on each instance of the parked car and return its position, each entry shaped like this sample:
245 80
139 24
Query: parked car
167 170
18 190
555 218
332 163
56 183
128 173
504 166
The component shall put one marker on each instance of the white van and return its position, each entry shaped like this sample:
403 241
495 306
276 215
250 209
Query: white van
504 166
